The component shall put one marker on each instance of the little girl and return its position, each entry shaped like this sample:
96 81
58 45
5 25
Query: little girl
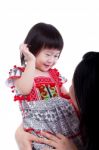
43 100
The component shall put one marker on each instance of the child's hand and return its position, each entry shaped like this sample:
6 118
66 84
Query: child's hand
27 54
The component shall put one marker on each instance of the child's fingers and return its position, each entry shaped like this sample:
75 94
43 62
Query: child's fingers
24 51
22 46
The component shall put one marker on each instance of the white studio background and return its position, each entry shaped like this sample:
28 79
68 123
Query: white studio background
78 22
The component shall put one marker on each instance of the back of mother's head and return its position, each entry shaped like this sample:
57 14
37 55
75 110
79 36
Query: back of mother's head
86 87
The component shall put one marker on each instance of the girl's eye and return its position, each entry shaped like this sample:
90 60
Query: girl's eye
47 54
57 56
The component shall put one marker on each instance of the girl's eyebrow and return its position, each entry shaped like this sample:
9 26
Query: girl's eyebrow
49 51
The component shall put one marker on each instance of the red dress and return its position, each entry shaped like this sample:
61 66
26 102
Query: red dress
46 108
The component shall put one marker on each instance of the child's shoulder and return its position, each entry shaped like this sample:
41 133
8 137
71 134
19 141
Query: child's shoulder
57 76
54 70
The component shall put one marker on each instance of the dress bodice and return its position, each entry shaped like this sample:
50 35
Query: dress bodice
43 87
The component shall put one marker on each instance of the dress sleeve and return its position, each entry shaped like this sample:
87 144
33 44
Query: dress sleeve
14 73
58 78
62 79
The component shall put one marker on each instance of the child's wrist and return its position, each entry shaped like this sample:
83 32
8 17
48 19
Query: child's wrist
30 63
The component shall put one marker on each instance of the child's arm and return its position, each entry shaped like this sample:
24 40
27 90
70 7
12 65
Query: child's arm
64 92
69 95
25 83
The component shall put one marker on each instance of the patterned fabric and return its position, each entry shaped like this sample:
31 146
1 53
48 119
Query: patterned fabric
57 115
45 109
45 87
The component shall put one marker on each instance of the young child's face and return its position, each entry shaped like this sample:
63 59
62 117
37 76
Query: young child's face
46 59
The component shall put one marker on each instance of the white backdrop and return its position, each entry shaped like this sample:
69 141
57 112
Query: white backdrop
78 22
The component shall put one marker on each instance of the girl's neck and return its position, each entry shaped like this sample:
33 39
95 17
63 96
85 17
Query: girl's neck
41 73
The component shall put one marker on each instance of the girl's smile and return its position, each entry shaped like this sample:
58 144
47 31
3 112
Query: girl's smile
46 59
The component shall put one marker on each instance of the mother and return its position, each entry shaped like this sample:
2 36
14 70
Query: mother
84 89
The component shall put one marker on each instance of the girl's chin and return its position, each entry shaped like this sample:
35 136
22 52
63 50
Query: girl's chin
43 69
46 68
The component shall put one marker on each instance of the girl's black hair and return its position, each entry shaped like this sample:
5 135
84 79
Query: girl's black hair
86 87
40 36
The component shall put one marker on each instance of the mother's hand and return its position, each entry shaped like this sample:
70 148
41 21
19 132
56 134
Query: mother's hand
59 142
25 139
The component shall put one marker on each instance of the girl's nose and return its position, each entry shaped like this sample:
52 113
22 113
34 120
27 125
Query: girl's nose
50 60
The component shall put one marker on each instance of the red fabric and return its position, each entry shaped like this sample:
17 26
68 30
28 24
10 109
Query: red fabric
54 82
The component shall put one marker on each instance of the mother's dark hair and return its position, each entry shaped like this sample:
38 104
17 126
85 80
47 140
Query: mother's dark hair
86 87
